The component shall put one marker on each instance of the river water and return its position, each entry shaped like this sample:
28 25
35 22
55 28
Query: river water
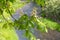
27 9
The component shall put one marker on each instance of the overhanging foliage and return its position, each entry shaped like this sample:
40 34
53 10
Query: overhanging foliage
7 7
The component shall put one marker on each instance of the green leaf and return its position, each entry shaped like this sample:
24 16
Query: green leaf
1 11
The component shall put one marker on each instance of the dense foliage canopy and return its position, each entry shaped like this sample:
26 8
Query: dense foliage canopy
52 11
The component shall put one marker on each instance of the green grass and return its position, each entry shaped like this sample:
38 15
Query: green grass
8 34
51 24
